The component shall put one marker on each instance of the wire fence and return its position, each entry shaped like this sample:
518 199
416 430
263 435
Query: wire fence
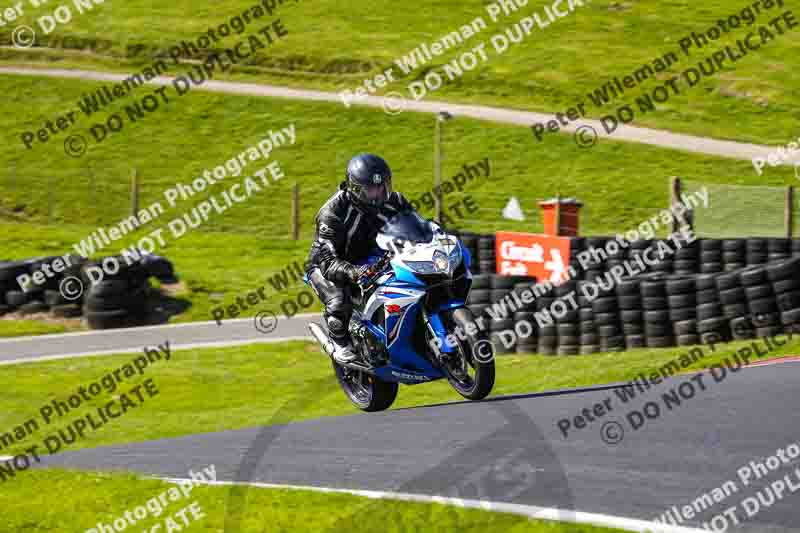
744 211
98 196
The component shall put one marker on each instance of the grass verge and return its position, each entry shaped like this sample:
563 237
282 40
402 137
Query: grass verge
87 498
22 328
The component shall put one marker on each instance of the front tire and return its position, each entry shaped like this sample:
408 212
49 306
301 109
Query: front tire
367 392
471 378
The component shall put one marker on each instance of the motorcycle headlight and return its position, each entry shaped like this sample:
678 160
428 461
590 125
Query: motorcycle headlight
440 261
421 267
455 256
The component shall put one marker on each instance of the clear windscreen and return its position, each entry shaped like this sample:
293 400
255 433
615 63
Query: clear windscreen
408 227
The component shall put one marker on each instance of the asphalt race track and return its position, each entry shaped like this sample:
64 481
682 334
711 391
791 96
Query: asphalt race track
510 450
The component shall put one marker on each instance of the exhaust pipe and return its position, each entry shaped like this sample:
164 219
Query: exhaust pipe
322 338
327 347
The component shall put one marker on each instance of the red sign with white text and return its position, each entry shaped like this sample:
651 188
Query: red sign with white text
530 254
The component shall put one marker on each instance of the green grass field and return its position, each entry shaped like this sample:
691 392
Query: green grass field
621 183
19 328
87 498
337 46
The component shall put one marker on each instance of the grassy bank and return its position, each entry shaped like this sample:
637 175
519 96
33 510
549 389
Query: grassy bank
86 499
235 251
551 69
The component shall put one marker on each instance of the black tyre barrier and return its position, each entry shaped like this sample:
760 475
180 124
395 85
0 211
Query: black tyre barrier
716 290
32 307
66 311
16 299
9 270
118 300
54 298
108 319
478 309
124 300
479 296
481 281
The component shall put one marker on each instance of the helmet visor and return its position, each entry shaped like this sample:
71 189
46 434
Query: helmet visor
375 194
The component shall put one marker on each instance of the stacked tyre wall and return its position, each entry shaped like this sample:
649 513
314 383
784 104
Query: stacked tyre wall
118 300
38 299
711 290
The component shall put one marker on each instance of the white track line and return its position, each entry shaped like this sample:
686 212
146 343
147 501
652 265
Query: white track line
785 360
122 351
531 511
11 340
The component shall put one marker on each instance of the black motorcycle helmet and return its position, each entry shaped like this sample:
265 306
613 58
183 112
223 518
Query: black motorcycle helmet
369 180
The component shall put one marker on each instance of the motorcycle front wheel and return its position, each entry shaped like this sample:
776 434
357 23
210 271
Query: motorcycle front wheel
472 377
367 392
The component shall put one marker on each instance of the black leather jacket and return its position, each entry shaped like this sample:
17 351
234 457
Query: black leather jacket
345 232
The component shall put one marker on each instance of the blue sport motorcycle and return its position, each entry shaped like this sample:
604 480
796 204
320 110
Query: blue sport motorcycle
410 323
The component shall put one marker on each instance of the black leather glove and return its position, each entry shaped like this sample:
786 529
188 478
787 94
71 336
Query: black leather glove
356 273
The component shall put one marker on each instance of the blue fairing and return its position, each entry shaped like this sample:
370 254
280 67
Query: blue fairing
438 327
406 365
403 358
403 274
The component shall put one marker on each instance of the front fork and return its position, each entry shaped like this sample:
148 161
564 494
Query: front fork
437 335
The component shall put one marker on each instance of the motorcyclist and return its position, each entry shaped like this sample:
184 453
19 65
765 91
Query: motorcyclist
346 227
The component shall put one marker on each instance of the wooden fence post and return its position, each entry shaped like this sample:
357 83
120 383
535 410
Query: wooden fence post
675 189
50 199
295 222
135 194
558 213
789 212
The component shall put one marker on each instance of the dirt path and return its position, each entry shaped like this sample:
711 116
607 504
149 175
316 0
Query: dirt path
661 138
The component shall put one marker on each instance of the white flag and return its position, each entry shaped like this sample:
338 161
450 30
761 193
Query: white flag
513 210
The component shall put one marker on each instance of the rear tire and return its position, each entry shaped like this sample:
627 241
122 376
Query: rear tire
475 387
367 392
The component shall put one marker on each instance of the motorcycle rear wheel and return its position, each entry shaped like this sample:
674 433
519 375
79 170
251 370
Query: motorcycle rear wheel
367 392
471 378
